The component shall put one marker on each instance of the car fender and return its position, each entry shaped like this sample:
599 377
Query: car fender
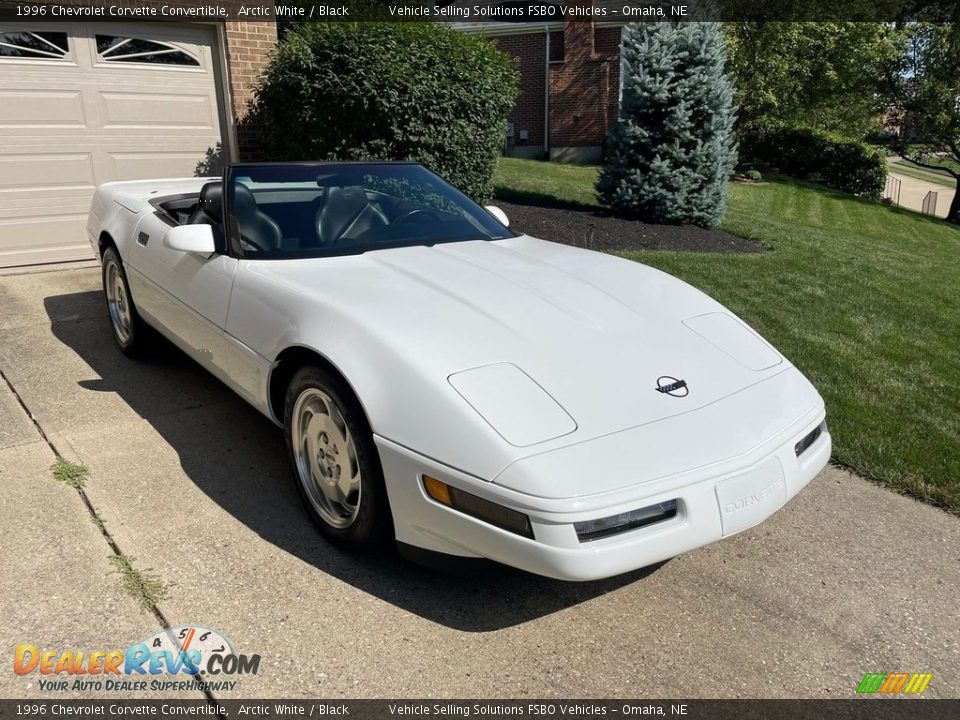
402 397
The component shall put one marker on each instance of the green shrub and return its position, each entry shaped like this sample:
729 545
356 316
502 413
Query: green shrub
389 91
671 155
836 161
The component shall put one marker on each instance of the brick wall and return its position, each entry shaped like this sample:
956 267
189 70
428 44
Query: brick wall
584 85
607 45
248 51
527 114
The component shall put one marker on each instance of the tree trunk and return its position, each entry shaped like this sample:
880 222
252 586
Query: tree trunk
953 215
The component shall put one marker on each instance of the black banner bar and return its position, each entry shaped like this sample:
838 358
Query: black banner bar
478 11
873 708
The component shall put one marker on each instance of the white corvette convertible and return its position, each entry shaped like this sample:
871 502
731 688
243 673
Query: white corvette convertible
451 384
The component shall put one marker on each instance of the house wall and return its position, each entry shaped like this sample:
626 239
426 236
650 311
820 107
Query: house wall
528 113
584 90
248 46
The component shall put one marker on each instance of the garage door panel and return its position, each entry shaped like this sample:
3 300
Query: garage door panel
28 172
44 202
28 240
141 166
158 111
41 108
71 124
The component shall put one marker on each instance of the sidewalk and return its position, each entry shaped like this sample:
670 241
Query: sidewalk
58 590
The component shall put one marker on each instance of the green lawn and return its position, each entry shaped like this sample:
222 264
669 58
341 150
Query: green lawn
934 176
863 298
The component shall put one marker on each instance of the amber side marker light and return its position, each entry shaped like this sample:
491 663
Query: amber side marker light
474 506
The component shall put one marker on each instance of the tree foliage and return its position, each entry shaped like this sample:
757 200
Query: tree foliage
389 91
823 75
923 88
670 157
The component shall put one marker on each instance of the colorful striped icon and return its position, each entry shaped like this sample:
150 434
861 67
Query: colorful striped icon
894 683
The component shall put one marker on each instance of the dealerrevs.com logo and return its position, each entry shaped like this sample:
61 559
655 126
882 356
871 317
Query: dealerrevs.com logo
186 657
895 683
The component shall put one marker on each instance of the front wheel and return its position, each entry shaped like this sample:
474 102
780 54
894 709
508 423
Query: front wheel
128 328
336 463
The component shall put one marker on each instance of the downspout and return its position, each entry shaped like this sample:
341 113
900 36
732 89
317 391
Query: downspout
546 92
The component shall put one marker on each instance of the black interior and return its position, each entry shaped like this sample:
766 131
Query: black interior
348 211
323 217
257 227
180 209
209 207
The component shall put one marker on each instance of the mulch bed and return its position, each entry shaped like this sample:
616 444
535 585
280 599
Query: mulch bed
597 230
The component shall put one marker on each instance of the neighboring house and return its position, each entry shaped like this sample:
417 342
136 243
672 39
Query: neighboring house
86 103
569 86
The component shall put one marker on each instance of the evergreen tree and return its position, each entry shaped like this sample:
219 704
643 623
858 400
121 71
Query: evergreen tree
670 157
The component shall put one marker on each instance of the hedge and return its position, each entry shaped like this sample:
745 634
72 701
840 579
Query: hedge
842 163
389 91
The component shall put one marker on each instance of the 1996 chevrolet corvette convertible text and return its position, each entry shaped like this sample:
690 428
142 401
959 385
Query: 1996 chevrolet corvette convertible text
456 386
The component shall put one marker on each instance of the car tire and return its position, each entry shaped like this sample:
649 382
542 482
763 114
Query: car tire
335 462
129 330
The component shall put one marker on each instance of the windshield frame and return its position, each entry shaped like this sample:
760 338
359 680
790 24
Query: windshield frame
236 249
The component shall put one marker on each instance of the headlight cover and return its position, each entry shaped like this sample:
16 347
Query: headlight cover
521 411
734 338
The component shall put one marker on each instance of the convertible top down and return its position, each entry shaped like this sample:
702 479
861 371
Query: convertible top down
451 384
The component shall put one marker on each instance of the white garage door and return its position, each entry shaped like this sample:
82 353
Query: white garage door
82 105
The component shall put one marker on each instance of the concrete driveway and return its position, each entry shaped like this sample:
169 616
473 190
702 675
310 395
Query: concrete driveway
194 484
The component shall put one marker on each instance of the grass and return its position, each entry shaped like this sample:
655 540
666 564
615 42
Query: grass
143 587
532 181
863 298
937 177
70 473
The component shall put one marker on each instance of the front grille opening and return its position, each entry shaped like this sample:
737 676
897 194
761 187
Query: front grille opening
809 439
615 524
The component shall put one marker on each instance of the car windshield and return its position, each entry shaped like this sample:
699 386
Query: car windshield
314 210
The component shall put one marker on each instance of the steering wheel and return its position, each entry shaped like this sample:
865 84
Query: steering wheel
432 214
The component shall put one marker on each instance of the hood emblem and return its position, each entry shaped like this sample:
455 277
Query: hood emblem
672 386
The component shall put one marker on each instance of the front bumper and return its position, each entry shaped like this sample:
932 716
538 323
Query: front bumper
712 503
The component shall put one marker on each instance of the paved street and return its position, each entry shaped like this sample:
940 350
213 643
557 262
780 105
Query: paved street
914 190
194 484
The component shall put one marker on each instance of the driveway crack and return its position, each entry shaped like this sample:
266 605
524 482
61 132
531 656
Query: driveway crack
119 558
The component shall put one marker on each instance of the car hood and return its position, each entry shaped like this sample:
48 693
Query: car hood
547 343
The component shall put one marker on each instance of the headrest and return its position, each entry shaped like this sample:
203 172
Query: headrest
244 203
211 200
348 200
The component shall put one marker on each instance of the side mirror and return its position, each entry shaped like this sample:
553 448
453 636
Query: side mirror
498 214
191 238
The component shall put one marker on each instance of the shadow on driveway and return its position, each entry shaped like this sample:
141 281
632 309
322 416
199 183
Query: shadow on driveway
237 458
